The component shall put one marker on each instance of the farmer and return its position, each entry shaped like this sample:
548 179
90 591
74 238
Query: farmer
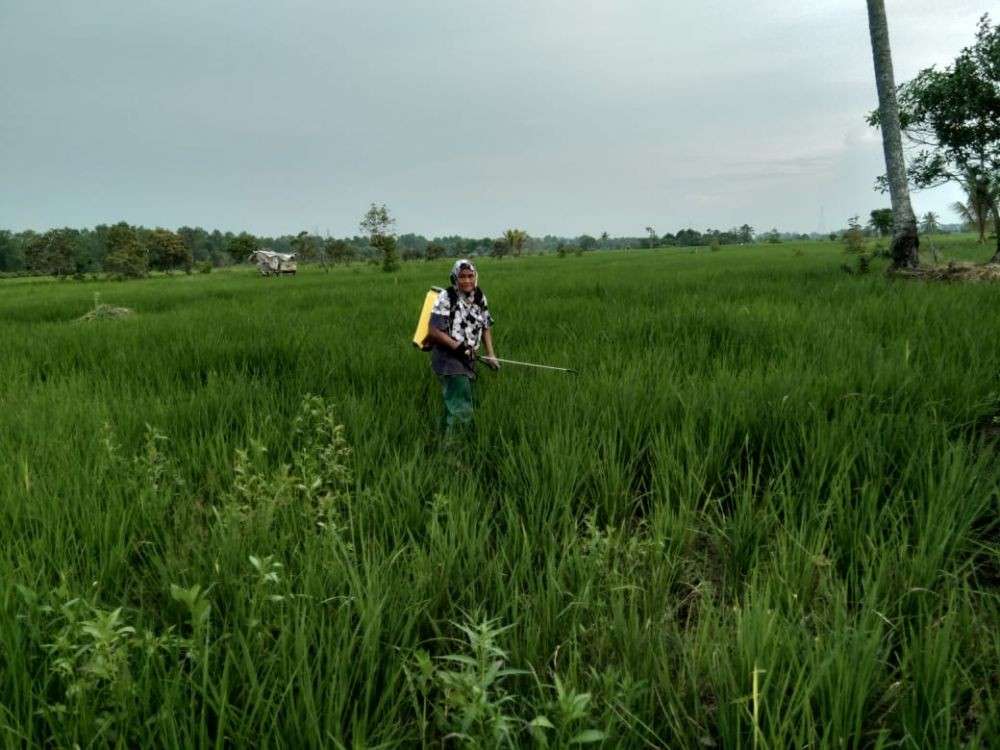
460 320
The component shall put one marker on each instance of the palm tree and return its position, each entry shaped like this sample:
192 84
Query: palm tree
929 223
905 241
980 201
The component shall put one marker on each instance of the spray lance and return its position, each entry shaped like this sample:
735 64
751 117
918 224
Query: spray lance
483 358
424 324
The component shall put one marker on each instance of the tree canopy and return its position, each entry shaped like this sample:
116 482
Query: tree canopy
953 114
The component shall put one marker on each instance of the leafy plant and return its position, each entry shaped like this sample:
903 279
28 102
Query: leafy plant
465 690
565 723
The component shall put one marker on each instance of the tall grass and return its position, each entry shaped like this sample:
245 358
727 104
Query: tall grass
762 516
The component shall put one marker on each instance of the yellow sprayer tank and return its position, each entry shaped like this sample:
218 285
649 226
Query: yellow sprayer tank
424 324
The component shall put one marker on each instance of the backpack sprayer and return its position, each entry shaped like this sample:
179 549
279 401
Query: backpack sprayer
424 324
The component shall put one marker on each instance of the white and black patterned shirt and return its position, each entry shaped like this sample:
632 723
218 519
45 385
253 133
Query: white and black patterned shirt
465 324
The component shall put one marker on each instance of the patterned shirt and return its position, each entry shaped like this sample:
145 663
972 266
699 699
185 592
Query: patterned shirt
466 326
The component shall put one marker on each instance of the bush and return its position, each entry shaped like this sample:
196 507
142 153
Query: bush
390 258
854 237
203 266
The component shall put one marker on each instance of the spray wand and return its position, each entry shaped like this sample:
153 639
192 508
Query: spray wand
483 358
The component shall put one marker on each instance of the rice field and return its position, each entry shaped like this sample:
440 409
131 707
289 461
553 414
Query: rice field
763 514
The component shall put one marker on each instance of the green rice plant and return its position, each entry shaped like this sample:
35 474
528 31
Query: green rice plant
762 515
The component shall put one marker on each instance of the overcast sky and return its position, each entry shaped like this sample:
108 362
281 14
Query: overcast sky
464 116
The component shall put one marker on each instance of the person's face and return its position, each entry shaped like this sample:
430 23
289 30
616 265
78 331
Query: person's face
466 281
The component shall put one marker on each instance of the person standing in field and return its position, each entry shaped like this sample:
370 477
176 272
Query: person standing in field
460 321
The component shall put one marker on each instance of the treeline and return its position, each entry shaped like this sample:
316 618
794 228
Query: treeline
123 250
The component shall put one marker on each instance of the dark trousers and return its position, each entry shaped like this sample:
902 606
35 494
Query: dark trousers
457 392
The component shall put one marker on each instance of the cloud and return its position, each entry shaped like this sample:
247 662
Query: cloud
463 114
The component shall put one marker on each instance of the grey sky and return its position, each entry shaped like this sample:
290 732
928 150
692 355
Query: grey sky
464 116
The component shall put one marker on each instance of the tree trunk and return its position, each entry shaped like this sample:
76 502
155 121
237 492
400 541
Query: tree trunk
996 230
905 242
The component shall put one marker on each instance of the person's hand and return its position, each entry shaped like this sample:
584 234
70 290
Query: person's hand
464 353
491 362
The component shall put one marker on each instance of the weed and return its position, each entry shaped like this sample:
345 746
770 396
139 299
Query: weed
465 691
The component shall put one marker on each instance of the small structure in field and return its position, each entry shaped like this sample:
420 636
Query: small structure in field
270 263
103 312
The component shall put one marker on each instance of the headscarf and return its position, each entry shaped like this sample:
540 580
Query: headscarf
460 265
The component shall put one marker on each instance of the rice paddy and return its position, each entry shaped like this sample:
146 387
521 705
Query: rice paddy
763 514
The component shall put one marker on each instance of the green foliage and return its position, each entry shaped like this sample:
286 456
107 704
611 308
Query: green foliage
434 251
515 240
377 223
466 692
11 255
53 253
982 194
953 114
764 509
94 661
195 603
854 236
500 249
862 266
565 723
167 251
339 252
413 246
688 238
881 221
126 258
244 245
386 247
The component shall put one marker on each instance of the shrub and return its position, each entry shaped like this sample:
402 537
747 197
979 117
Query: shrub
854 237
390 258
